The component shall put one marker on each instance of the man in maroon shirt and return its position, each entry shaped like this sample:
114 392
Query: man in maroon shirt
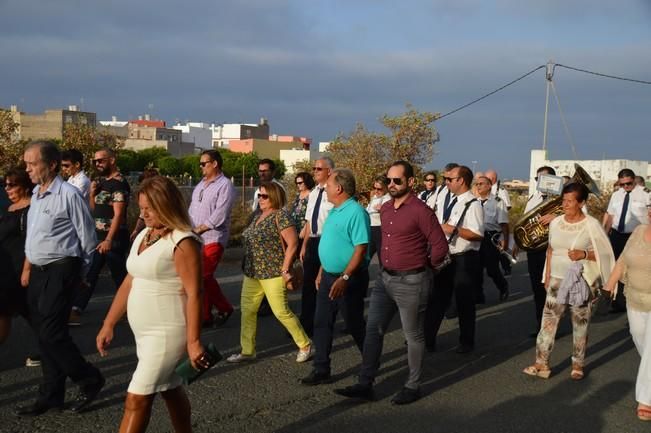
412 242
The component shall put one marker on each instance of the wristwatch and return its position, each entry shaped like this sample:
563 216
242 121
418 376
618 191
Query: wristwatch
345 277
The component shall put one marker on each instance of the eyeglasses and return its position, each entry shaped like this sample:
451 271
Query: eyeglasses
66 164
396 180
299 183
430 180
318 168
203 163
450 179
98 160
377 189
9 185
625 183
263 196
264 171
201 195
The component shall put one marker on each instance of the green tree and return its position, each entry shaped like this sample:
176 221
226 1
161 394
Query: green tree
190 165
11 149
148 157
412 136
169 166
127 160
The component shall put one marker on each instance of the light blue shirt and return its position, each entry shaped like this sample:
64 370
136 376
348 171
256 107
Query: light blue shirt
347 226
59 224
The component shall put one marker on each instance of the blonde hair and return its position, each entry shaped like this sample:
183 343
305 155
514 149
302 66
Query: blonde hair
166 200
277 197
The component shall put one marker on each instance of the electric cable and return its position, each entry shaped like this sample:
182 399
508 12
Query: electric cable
599 74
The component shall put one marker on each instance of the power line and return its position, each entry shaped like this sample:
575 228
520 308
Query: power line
599 74
491 93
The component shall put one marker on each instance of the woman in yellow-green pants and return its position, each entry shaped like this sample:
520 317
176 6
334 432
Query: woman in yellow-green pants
266 272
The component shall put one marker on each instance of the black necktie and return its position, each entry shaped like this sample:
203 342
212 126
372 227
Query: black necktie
447 210
622 218
315 214
483 201
447 200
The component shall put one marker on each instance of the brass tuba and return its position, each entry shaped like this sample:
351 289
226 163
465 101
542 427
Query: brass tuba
529 233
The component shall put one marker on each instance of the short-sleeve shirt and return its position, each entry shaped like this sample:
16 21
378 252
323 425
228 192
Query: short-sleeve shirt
298 211
114 190
324 209
473 221
636 212
495 213
347 226
263 251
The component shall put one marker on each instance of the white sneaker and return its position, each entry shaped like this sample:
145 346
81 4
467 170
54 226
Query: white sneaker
305 355
238 357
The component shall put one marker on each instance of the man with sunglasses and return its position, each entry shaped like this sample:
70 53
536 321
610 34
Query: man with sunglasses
626 210
109 196
429 181
462 221
412 242
72 161
443 195
266 173
318 208
210 212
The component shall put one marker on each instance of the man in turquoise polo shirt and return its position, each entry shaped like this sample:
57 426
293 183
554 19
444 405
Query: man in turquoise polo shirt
343 277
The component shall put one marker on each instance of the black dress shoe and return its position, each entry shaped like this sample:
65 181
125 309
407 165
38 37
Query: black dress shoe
504 295
464 348
221 318
86 396
362 392
316 378
35 409
406 396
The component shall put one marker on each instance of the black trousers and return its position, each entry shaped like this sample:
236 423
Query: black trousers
49 295
536 265
461 279
375 246
351 305
490 260
618 242
311 265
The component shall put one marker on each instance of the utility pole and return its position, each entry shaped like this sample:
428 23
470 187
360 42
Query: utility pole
549 74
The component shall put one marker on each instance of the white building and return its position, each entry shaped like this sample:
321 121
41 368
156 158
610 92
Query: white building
222 134
603 172
291 156
114 122
198 133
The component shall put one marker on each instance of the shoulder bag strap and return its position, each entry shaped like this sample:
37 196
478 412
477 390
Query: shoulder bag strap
463 215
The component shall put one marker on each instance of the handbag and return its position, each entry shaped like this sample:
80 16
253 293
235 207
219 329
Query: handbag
296 268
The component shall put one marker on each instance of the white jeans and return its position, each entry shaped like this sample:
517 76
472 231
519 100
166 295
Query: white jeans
640 326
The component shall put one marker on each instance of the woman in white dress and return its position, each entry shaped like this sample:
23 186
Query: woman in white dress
161 296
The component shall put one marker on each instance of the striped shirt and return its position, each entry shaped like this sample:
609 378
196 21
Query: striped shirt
211 205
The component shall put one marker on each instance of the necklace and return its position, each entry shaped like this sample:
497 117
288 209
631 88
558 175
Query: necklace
152 239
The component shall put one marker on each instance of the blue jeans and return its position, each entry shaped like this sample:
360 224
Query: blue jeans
115 259
352 309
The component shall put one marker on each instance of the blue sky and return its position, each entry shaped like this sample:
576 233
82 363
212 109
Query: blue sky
316 68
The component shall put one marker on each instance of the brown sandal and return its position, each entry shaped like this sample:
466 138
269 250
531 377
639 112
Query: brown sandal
577 372
538 370
643 412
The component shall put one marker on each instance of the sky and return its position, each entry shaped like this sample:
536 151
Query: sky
316 68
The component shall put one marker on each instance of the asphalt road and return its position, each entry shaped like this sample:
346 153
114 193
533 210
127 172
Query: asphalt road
481 392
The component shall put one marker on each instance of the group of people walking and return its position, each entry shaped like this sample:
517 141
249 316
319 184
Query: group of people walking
431 247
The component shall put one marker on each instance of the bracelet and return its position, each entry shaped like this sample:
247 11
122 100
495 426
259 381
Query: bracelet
585 252
284 271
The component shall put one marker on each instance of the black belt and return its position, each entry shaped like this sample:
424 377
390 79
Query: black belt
621 233
465 253
58 262
405 273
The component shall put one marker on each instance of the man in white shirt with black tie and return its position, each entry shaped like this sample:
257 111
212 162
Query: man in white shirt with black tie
442 196
463 224
626 210
318 208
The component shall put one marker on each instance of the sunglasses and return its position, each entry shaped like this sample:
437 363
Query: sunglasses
626 183
450 179
396 180
430 180
264 171
10 185
99 160
378 189
300 183
263 196
66 164
203 163
318 168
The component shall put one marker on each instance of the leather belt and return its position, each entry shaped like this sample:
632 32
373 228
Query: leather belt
58 262
404 273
